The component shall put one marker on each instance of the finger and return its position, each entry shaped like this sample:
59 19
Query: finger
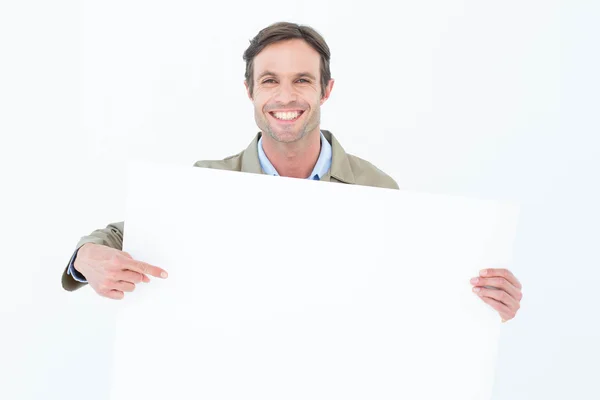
143 268
124 286
129 276
501 272
499 295
500 283
115 294
145 279
502 309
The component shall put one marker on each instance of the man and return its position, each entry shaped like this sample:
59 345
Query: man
288 79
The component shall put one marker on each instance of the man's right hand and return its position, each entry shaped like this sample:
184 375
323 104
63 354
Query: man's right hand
111 272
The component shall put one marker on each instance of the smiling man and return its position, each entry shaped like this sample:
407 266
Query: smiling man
287 95
287 79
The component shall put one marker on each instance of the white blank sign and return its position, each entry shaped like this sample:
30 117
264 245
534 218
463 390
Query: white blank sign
283 288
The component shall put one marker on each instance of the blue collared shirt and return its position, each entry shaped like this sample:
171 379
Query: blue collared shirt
73 272
321 168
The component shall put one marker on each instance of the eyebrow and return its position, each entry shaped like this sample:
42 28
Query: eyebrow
298 75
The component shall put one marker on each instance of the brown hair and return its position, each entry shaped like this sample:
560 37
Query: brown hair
281 31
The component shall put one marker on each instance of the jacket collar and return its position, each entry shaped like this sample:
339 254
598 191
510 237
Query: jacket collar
340 165
250 162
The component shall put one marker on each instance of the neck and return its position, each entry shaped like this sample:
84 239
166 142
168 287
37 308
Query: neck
294 160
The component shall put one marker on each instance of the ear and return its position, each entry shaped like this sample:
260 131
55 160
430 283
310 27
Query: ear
247 90
328 90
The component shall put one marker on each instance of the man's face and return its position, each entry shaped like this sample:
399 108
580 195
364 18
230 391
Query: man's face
287 90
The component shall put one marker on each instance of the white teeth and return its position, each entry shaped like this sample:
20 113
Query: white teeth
286 115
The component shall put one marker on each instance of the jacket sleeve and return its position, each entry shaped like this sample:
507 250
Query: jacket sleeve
111 236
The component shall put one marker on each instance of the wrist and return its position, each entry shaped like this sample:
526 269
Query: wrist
77 264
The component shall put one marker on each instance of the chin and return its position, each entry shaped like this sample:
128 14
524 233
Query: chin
286 137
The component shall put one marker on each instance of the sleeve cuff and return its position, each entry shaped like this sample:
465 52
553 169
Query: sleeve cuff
73 272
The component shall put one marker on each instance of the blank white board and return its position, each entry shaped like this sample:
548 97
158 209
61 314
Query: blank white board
283 288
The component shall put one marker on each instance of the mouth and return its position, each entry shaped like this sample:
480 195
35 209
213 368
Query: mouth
286 116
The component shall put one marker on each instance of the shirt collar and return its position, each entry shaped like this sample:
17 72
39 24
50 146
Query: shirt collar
321 168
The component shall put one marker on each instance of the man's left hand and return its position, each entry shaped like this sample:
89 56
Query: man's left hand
500 289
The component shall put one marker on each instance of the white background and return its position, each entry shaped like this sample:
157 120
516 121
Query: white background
485 99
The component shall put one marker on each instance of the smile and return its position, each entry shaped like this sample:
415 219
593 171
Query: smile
287 116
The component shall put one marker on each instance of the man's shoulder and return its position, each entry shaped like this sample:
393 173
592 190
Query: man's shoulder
363 172
367 174
231 163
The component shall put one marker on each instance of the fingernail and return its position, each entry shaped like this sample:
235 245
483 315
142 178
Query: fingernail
483 272
476 289
163 274
474 281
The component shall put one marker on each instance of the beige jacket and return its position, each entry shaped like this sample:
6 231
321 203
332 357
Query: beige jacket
345 168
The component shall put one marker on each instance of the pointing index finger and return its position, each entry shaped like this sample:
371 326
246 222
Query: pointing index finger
145 268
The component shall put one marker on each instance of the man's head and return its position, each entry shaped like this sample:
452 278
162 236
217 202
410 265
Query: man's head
288 79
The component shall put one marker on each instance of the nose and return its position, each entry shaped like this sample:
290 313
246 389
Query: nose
286 93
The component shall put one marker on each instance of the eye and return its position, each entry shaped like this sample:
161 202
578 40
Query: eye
269 81
305 80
